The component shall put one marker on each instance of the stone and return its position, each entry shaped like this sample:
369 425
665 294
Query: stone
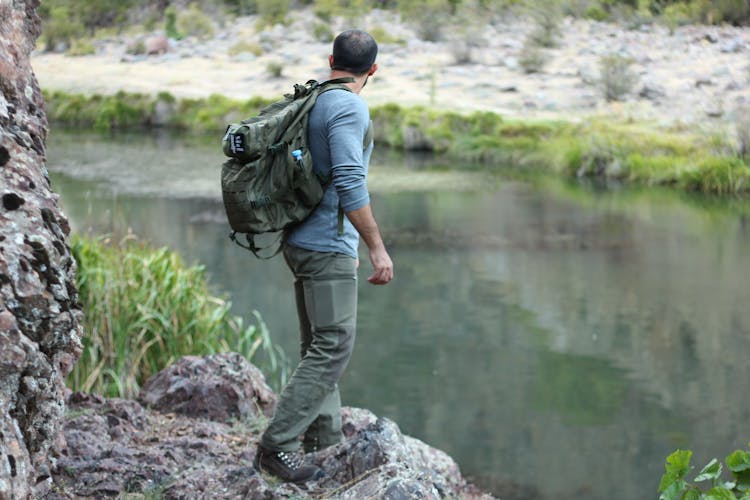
156 45
219 387
40 317
118 447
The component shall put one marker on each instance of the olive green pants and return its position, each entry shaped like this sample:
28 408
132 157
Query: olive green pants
310 406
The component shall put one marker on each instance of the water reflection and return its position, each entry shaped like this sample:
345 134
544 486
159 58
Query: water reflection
558 342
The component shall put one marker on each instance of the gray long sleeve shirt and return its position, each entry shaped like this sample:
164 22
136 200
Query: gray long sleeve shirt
336 132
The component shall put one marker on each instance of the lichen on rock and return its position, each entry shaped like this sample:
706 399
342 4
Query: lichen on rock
40 318
117 446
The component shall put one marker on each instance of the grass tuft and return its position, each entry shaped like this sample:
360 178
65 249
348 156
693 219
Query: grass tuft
144 309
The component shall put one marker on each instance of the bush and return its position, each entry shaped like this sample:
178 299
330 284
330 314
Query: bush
275 69
170 24
323 32
272 12
673 485
144 309
195 23
242 46
616 77
742 125
546 29
82 47
429 16
60 28
532 58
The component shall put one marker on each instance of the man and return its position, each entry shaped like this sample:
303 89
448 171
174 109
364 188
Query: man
322 254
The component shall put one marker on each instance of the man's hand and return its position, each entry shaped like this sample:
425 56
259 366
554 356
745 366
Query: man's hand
382 267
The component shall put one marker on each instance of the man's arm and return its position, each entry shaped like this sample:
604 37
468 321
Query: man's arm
364 222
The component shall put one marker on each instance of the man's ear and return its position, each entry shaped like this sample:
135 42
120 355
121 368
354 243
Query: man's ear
330 61
373 69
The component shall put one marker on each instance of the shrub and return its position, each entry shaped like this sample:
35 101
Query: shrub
616 77
596 13
673 484
242 7
429 16
323 32
170 23
327 9
546 29
82 47
275 69
60 28
195 23
272 12
243 46
532 58
144 308
742 125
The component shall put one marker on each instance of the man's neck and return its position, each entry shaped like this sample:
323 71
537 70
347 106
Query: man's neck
356 85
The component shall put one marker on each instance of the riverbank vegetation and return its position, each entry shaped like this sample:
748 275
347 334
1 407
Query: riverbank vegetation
144 309
710 482
640 154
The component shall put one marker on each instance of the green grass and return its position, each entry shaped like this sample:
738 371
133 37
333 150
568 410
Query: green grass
144 309
635 153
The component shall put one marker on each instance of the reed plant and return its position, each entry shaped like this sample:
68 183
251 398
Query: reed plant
145 308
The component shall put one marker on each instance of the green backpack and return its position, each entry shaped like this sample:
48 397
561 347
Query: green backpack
269 184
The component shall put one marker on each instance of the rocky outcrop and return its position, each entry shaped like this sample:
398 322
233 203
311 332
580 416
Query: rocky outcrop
117 446
40 320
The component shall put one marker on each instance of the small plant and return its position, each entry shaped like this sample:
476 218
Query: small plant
382 36
136 48
322 32
170 24
82 47
617 78
532 57
674 486
743 136
546 31
275 69
60 28
195 23
429 16
272 12
240 47
144 308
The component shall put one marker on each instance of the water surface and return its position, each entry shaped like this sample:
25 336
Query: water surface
558 341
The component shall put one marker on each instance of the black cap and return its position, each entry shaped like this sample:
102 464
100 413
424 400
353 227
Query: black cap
354 51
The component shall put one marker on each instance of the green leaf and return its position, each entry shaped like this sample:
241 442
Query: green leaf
673 490
677 466
738 461
712 471
692 494
719 493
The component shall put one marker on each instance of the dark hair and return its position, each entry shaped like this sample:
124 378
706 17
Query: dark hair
354 51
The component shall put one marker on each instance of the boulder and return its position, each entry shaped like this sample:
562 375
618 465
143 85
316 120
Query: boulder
219 387
40 317
117 447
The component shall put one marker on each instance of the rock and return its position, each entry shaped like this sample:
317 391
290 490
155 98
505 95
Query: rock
40 318
118 447
156 45
736 44
652 91
218 387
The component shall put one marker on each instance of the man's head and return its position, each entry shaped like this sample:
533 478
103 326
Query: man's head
354 52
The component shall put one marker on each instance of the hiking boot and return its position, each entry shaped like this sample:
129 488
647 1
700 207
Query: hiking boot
285 465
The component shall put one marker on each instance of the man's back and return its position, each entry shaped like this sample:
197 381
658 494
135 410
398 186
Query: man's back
337 128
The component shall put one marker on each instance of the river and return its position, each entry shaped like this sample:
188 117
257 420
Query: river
557 340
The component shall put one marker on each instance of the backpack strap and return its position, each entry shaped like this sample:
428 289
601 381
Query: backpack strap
279 243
